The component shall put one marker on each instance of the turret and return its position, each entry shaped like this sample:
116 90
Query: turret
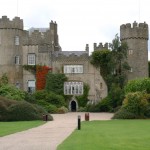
16 23
136 37
137 31
100 46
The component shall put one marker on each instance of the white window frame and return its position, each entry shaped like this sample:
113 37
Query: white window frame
31 86
73 88
73 69
17 60
17 40
31 59
130 52
131 70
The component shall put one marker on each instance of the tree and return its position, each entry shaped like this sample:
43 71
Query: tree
112 63
55 83
119 61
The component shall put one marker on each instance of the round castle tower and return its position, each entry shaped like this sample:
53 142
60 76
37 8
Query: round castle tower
136 37
11 33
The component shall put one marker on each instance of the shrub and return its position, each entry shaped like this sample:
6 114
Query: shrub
23 111
105 105
46 98
62 110
124 114
82 109
11 110
51 108
54 99
135 105
11 92
147 111
29 97
91 108
138 85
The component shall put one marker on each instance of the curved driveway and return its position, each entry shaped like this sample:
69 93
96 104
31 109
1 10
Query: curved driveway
49 135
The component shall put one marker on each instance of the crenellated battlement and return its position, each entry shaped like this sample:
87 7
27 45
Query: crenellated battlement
128 31
16 23
100 46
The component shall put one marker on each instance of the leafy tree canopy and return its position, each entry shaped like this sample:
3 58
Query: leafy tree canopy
138 85
55 83
112 63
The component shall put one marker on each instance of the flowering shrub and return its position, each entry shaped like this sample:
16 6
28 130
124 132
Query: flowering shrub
41 72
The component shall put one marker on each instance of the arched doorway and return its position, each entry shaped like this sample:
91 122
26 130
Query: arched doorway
73 106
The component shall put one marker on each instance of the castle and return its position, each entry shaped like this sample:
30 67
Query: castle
19 47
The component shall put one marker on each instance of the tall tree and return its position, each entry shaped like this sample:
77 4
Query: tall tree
112 63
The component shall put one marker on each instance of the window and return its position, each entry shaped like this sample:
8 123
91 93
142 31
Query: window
17 60
73 88
31 86
16 40
73 68
130 52
131 70
101 85
17 85
31 59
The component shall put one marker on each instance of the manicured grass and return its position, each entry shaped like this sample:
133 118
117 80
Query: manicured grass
110 135
7 128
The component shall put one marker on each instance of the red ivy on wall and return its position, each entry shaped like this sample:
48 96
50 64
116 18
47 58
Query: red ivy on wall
41 72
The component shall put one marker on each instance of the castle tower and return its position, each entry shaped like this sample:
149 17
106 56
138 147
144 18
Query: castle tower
136 37
11 32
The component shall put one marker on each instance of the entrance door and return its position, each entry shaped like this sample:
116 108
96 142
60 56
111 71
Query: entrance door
73 106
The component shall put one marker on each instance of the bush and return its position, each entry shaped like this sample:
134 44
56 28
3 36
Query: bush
82 109
11 92
29 97
23 111
91 108
124 114
11 110
45 98
54 99
135 105
62 110
138 85
105 105
51 108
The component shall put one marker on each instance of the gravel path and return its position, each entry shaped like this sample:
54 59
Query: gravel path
49 135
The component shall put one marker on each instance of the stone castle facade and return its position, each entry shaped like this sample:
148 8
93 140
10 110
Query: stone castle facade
19 47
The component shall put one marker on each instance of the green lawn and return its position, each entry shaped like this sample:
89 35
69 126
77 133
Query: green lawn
110 135
13 127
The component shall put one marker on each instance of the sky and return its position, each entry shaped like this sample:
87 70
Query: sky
80 22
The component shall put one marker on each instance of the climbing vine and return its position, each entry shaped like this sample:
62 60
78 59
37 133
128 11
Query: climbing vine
41 73
83 99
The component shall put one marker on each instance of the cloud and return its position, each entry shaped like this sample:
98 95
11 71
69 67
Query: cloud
79 21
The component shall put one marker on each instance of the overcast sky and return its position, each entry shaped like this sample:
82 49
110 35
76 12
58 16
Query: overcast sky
80 22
